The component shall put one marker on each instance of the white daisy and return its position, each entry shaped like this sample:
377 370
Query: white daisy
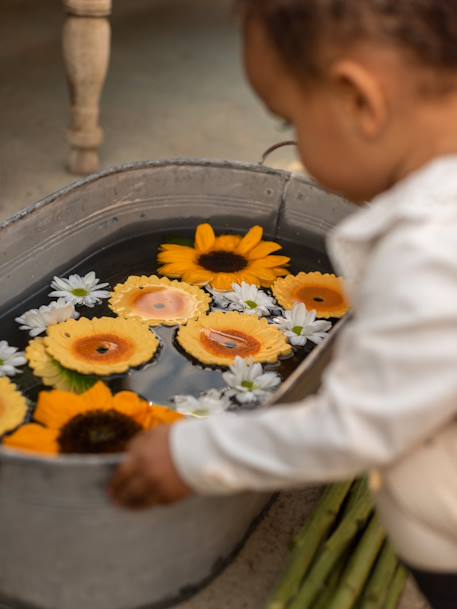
248 298
10 357
36 321
79 290
207 404
248 382
300 325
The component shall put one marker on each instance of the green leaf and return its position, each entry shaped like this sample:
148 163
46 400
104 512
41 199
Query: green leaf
77 383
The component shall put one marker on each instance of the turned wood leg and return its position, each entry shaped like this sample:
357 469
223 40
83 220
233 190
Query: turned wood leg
86 50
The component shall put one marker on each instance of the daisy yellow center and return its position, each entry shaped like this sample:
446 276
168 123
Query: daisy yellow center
251 304
312 297
2 408
297 330
249 385
221 261
80 292
103 347
161 302
97 431
229 342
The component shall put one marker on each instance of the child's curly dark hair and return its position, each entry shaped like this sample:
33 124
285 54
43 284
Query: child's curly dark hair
427 29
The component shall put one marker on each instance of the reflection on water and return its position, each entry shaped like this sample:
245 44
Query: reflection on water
172 372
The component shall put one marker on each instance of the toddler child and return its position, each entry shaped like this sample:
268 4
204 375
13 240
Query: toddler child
370 87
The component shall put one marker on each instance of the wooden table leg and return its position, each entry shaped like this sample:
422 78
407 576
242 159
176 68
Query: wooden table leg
86 50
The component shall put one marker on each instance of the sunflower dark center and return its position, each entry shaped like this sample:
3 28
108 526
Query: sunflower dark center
222 262
97 431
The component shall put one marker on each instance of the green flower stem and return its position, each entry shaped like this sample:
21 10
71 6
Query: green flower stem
307 543
358 570
333 581
354 521
396 587
376 590
359 491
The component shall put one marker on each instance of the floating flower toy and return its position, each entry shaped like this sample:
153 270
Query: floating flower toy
95 422
323 294
159 301
218 338
224 260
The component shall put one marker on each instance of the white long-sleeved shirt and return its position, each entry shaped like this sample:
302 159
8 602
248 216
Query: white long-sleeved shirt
393 379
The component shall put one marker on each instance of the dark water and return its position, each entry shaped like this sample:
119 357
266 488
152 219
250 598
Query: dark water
172 372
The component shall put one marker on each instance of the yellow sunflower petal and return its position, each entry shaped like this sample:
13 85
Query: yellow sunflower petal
159 301
265 248
323 293
176 253
264 274
101 346
34 438
171 257
175 269
204 238
198 276
224 281
217 338
99 396
13 406
55 408
280 272
249 278
273 261
160 415
250 240
227 243
133 406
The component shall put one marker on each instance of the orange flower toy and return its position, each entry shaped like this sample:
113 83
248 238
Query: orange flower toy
323 294
218 338
95 422
159 301
224 260
13 406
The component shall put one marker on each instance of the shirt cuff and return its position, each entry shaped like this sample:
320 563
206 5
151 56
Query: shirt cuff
196 458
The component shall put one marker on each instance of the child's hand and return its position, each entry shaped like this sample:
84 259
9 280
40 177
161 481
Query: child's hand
148 476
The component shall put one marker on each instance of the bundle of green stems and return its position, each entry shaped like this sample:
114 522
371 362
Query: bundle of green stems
341 558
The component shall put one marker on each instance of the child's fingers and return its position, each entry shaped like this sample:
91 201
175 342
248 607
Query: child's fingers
133 492
125 472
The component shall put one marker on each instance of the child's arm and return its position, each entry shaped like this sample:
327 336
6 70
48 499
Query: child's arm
393 382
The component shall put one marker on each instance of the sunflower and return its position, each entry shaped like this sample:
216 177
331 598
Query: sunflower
54 374
159 301
218 338
94 422
323 294
13 406
225 260
101 346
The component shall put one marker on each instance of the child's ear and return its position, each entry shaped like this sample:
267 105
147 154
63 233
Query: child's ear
362 96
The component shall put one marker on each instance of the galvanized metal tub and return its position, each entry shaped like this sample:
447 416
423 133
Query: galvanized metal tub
63 545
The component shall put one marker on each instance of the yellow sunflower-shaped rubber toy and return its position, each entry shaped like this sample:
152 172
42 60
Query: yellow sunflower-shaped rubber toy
101 346
13 406
52 373
217 338
94 422
323 294
222 261
159 301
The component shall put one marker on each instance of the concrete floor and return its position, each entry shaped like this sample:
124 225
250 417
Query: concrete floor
175 88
